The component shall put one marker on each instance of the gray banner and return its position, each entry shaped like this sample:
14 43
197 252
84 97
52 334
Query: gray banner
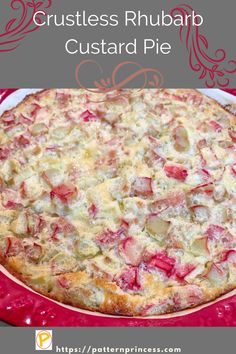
122 340
41 59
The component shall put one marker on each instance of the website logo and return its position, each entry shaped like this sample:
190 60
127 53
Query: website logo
43 340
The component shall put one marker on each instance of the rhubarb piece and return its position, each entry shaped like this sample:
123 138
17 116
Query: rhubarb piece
232 134
215 274
92 210
129 279
181 141
162 262
109 236
4 153
176 171
13 246
87 116
214 232
183 271
131 250
157 226
34 252
199 246
64 192
142 186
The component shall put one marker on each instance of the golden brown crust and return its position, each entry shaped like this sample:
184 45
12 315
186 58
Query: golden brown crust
114 303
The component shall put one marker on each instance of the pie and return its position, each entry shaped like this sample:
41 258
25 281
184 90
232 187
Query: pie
123 202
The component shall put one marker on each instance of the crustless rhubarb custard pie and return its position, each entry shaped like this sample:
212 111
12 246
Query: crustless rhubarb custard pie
124 202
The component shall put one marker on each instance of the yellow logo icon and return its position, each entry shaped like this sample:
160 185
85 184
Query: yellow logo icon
43 340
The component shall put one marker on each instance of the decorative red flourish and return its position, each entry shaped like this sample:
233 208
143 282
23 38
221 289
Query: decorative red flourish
113 83
213 69
17 28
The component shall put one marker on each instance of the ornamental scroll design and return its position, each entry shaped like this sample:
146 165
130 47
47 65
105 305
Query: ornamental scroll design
19 26
129 70
214 69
